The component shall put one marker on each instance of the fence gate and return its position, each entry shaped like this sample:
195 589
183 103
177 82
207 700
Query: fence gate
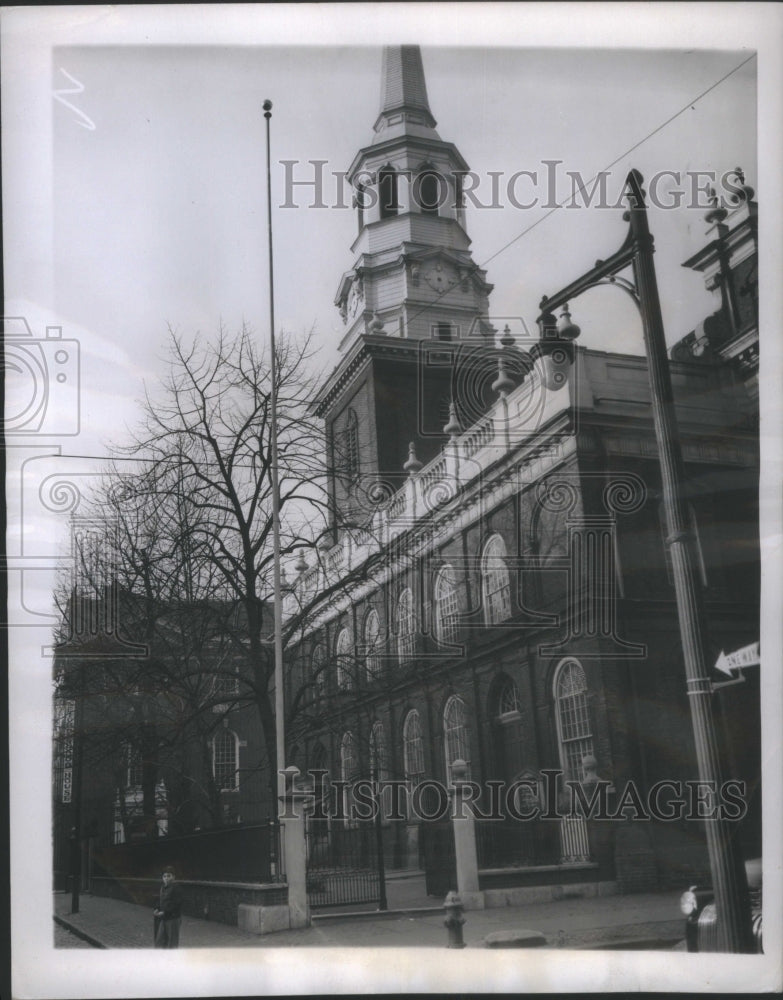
342 864
440 860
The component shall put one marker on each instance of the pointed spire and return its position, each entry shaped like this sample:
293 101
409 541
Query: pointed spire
402 82
403 90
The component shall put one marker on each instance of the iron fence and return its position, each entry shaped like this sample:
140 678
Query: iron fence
343 864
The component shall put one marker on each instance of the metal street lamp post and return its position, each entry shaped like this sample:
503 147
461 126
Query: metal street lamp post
728 873
279 700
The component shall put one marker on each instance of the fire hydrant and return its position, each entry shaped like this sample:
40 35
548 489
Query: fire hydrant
454 920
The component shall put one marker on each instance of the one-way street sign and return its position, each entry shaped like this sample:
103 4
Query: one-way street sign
748 656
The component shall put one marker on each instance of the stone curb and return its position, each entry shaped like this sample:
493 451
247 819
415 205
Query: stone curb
79 932
416 911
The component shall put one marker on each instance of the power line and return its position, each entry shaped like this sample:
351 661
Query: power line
622 156
618 159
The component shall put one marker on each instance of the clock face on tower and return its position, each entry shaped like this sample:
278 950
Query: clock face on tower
440 277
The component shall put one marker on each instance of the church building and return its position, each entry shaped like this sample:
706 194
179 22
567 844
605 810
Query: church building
499 586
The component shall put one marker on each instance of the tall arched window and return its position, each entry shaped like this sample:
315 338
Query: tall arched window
446 607
345 664
351 446
495 582
573 720
413 748
379 755
349 772
455 734
406 626
387 192
372 636
319 671
225 760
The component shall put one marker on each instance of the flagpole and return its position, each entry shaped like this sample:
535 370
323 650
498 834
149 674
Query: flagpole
279 700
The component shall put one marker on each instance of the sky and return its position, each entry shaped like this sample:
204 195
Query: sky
134 190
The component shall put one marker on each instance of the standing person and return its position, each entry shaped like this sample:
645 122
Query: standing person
169 912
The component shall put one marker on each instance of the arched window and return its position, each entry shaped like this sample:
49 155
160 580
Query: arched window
455 734
387 192
406 626
495 582
349 771
573 721
319 671
379 756
345 664
351 447
430 191
372 635
446 607
507 699
413 748
225 760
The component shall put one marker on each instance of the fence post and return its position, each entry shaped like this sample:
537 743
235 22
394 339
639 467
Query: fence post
292 821
464 824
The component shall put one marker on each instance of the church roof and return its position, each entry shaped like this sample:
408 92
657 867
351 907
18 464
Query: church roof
402 79
404 101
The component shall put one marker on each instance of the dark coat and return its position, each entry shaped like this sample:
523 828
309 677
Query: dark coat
171 901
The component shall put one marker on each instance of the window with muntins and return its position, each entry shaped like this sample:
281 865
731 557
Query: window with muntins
446 607
406 627
455 734
379 756
225 760
134 771
573 719
508 699
495 582
413 748
345 664
372 635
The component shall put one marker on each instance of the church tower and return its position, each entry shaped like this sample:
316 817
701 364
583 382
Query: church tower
418 351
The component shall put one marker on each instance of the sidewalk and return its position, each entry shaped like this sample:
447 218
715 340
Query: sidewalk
647 920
